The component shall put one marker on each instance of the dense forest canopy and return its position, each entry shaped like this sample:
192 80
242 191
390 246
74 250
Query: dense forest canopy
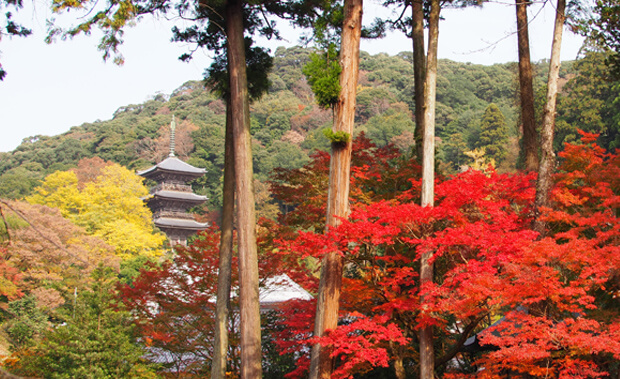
287 125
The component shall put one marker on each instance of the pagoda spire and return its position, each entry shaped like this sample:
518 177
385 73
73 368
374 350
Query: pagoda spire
173 126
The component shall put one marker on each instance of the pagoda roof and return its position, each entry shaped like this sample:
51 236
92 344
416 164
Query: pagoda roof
178 195
178 223
173 165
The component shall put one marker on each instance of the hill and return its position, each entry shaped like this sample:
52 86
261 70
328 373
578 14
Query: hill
286 124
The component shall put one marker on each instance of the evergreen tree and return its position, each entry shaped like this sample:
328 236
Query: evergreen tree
95 340
493 133
590 103
454 149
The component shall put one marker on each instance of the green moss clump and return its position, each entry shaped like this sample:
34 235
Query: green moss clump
337 138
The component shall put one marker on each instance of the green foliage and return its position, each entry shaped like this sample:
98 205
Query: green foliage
288 114
385 128
382 70
259 64
275 364
27 322
337 138
323 74
371 101
467 86
316 141
453 151
493 134
279 154
599 21
590 102
130 268
18 182
94 340
272 116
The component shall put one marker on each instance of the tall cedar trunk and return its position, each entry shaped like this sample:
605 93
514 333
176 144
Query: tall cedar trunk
419 72
547 160
427 354
321 364
222 305
248 258
530 145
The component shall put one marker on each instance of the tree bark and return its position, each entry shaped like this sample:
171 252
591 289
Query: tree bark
321 364
222 305
547 159
399 367
419 72
530 144
427 355
430 85
246 216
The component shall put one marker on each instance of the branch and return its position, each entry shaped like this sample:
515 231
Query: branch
204 4
40 233
459 344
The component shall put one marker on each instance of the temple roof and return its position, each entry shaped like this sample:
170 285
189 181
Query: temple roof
173 165
178 195
177 223
279 289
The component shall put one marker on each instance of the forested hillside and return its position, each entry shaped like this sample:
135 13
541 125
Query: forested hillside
476 109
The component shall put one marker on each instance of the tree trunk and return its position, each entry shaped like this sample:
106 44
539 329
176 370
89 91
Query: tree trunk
248 255
547 160
399 367
430 85
427 356
321 365
419 73
530 145
222 306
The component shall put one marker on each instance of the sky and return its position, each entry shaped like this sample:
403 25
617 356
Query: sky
51 88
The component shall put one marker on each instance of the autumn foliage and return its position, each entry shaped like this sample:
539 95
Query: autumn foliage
46 254
537 307
174 304
377 173
505 301
106 199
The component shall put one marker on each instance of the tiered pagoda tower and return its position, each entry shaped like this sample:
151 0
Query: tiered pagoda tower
171 198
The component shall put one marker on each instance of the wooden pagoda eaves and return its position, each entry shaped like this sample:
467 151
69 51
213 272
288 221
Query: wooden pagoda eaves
172 197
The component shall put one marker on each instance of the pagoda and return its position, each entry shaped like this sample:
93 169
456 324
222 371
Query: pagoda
172 197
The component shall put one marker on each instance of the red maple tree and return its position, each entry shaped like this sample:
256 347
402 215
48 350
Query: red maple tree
534 307
503 302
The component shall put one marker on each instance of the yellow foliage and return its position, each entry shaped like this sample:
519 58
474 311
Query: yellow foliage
59 190
479 161
130 239
110 206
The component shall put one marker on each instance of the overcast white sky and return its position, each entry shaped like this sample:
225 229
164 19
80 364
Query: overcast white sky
50 88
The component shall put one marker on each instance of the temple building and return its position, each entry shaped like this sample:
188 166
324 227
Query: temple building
172 197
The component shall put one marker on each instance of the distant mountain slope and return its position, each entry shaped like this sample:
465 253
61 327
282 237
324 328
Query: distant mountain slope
286 124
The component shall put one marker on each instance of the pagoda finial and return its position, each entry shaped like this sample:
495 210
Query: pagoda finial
173 126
